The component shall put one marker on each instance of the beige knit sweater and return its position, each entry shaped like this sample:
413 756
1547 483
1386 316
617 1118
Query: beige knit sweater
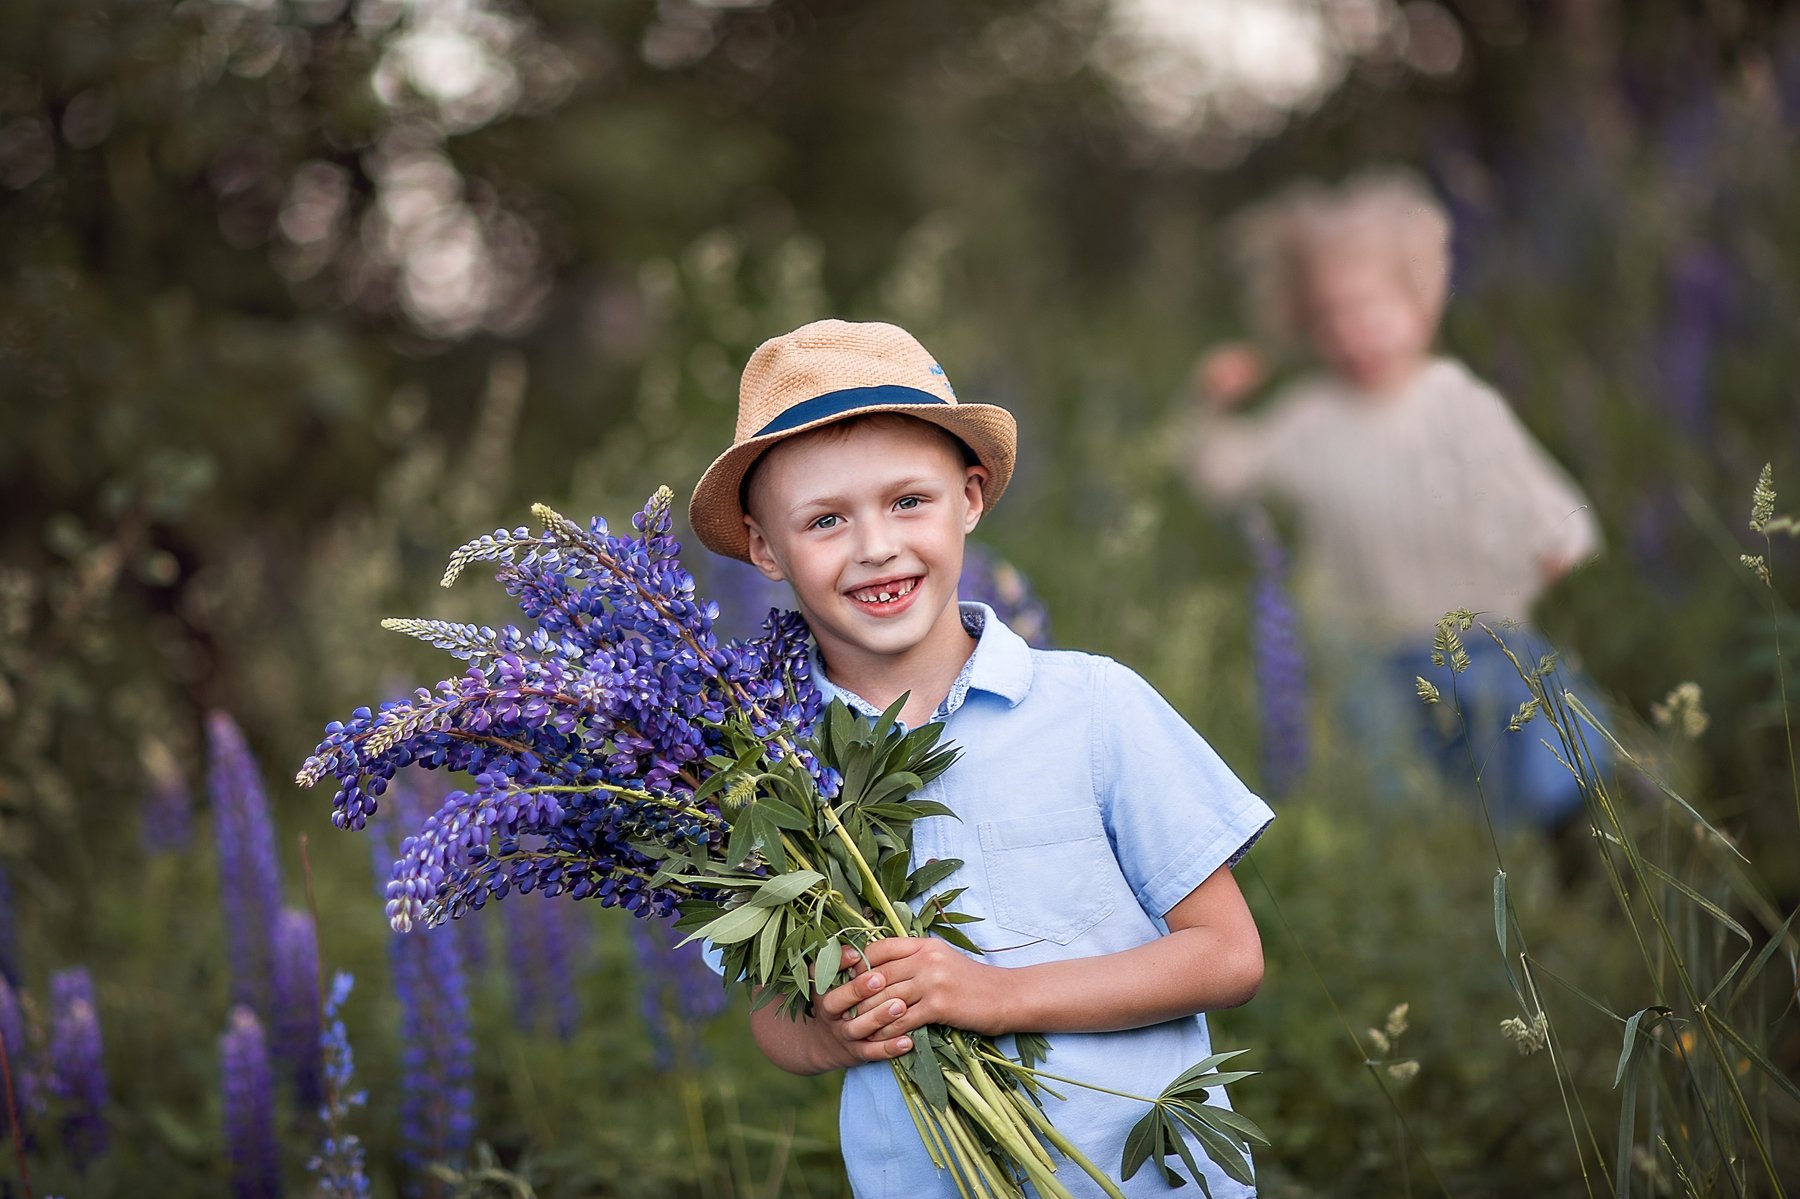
1432 498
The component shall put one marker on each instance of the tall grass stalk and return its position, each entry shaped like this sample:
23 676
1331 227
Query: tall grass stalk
1665 906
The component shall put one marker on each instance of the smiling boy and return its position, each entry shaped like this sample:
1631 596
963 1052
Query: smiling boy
1096 829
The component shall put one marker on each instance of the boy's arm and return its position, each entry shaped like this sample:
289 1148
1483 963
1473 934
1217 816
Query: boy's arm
1211 958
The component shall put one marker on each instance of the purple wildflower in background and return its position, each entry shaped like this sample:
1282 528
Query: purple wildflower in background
437 1055
679 993
1280 665
166 816
247 1095
544 940
12 1040
743 593
77 1065
1699 304
337 1168
9 931
249 879
989 579
296 1019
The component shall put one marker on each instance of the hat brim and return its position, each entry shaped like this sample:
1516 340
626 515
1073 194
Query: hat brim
717 513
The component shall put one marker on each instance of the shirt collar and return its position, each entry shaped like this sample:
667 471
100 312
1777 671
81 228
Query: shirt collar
1000 665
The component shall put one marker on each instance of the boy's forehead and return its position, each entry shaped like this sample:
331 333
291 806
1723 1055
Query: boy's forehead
874 450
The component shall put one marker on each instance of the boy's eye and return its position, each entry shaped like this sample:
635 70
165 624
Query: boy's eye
907 503
825 522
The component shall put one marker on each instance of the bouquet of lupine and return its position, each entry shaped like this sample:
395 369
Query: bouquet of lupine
618 750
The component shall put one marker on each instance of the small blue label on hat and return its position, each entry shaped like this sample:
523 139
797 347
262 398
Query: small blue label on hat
939 372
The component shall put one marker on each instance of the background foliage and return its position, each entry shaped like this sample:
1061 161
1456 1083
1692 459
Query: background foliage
301 293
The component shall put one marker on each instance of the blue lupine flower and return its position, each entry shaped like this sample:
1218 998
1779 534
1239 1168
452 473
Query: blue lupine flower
297 1020
1279 660
437 1056
544 939
166 818
249 879
989 579
12 1043
77 1064
9 931
247 1093
338 1166
619 690
678 992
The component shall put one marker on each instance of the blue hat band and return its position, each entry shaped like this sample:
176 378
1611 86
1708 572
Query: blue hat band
850 399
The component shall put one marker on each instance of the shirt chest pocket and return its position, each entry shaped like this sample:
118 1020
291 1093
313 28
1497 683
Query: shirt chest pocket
1050 875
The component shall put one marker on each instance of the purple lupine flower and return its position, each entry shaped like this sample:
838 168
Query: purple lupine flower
437 1057
166 817
1279 660
12 1043
9 931
77 1064
589 731
989 579
744 594
247 1093
544 938
338 1166
249 878
678 992
296 991
1700 287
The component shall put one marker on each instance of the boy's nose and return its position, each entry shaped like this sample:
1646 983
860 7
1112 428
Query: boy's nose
879 545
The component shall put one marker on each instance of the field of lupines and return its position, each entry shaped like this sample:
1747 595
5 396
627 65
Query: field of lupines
509 1030
231 461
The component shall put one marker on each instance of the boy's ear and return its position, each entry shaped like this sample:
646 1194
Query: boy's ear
760 555
974 479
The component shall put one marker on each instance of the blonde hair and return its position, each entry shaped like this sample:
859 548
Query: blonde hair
1387 211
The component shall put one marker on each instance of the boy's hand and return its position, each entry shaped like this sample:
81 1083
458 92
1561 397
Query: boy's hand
925 981
853 1019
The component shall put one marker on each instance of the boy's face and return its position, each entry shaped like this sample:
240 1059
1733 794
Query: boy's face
848 517
1364 321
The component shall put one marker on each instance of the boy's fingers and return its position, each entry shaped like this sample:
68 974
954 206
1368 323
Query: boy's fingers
890 948
838 1001
868 1025
881 1051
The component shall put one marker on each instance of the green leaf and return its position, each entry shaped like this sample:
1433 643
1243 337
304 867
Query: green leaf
922 1064
896 783
826 965
784 887
1234 1123
956 937
1225 1152
739 924
1757 1058
1199 1069
1762 959
1139 1143
1656 1014
767 941
928 876
891 717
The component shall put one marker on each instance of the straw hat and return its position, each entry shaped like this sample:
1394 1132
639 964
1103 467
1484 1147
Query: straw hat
824 372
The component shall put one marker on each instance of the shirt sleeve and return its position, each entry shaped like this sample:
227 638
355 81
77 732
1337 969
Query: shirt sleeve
1173 810
1537 497
1233 458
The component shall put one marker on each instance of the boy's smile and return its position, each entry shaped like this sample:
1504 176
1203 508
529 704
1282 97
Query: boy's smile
866 522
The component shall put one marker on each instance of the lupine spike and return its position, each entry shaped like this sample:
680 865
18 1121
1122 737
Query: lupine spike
338 1166
297 1019
77 1065
500 545
249 877
247 1088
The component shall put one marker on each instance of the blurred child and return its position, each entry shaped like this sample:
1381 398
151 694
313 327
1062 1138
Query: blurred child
1415 487
1095 830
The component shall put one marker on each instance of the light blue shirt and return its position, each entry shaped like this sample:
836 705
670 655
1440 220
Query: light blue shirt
1088 808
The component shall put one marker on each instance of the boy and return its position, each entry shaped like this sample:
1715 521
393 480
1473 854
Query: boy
1095 828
